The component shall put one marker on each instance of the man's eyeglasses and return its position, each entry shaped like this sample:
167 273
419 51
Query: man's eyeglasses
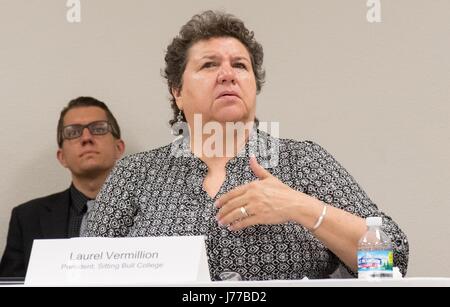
95 128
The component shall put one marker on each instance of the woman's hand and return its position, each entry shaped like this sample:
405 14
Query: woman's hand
263 201
269 201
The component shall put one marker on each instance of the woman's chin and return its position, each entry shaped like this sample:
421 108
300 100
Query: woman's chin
231 115
231 118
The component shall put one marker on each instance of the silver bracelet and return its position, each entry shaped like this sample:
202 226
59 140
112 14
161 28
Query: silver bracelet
321 217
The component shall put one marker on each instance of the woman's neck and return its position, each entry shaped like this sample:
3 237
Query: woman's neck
212 141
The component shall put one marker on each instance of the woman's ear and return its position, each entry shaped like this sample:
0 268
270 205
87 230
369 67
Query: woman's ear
178 97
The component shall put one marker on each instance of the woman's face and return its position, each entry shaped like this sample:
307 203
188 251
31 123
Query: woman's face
218 82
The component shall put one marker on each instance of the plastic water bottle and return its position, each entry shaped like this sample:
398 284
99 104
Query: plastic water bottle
375 255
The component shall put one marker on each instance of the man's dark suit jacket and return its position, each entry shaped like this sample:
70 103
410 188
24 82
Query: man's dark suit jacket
42 218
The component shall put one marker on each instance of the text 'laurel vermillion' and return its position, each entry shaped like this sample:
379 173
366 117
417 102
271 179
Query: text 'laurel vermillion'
114 255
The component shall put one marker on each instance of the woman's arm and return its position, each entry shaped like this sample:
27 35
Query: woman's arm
269 201
340 231
113 211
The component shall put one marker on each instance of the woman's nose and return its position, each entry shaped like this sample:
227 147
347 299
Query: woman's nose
226 74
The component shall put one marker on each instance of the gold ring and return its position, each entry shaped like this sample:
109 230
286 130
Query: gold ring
244 212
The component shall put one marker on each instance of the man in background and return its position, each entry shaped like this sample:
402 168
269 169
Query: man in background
89 144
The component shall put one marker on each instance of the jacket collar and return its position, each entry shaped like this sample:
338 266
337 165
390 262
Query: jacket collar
54 220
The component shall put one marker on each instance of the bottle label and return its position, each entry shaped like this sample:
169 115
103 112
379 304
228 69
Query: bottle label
377 263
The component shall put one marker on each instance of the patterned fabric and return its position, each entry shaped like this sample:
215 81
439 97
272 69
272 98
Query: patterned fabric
77 211
83 224
155 193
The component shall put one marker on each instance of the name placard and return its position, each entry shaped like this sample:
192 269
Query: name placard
118 261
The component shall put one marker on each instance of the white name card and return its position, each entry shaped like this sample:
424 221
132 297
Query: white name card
117 261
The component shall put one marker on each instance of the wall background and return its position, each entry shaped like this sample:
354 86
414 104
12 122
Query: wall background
375 95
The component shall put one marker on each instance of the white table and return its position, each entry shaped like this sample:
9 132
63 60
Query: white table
404 282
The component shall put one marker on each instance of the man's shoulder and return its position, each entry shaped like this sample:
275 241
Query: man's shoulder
41 202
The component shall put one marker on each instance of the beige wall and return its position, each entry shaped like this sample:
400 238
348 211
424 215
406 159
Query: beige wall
375 95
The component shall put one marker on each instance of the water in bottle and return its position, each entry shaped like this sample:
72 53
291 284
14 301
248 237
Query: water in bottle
375 256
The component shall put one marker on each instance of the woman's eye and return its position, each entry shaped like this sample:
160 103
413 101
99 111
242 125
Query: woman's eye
241 66
209 64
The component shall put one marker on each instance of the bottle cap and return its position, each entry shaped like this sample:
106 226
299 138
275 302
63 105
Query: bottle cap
374 221
396 274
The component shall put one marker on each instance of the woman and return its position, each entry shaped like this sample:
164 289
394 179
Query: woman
302 216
